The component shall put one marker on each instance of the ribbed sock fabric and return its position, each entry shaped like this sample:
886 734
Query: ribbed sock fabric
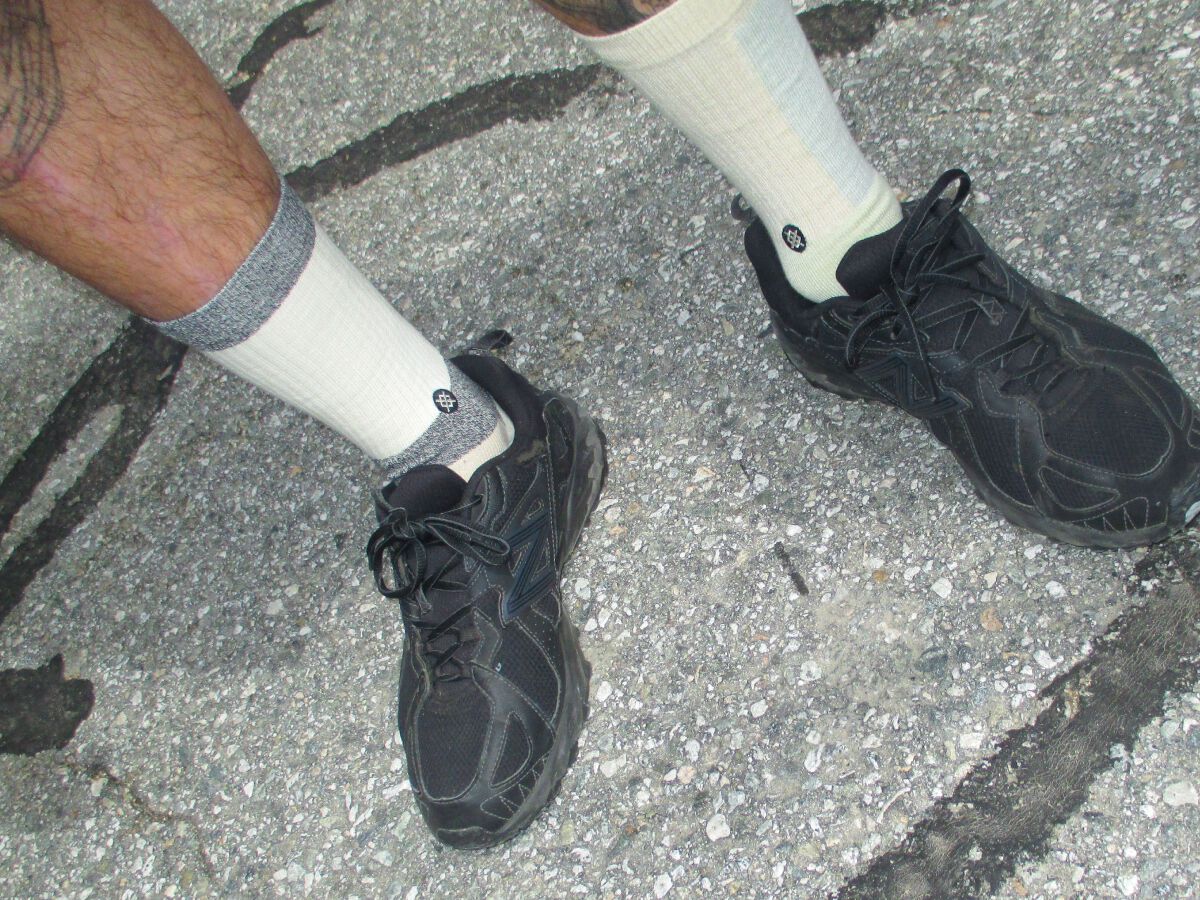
739 78
300 321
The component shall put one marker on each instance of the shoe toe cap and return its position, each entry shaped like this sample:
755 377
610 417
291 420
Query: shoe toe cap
1112 428
447 739
490 812
1123 457
477 750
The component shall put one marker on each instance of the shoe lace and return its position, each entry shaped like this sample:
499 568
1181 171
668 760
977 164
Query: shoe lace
946 257
399 552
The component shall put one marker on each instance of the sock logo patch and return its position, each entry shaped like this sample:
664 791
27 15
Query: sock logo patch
445 401
794 238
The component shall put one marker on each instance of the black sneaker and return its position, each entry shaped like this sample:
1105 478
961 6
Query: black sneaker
1066 423
493 684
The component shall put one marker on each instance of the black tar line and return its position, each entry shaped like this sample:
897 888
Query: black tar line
513 98
1003 812
290 26
136 373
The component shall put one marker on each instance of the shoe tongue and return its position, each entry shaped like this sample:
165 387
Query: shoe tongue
423 491
866 267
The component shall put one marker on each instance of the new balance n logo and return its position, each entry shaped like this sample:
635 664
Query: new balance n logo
528 544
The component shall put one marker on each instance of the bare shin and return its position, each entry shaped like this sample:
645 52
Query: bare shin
121 159
599 17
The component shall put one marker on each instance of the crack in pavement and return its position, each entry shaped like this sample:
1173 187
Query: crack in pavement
1006 808
140 804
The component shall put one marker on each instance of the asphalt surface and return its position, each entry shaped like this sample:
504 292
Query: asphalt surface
821 665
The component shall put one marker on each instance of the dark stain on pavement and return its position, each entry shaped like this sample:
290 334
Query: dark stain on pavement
39 709
283 30
790 568
1004 811
838 29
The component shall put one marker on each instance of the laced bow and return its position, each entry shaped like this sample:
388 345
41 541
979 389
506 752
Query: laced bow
399 554
941 259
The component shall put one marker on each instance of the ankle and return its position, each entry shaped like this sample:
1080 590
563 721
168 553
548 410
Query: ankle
499 440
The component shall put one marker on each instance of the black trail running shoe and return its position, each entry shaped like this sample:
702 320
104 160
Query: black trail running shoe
1066 423
494 686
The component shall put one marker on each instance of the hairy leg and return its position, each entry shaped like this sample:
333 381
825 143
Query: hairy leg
121 160
598 17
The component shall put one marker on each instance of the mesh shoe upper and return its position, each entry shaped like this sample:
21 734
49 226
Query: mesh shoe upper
1066 422
490 676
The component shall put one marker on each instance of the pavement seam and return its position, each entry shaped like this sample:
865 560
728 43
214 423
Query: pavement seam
536 97
1005 810
136 372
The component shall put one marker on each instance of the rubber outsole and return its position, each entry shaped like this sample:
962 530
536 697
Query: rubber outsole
576 708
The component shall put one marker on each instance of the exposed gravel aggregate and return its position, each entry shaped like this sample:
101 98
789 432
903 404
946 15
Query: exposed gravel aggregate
804 626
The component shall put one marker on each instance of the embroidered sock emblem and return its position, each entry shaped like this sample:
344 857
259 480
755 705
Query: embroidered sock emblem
445 400
794 238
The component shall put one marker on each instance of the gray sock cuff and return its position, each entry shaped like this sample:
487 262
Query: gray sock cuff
451 436
259 285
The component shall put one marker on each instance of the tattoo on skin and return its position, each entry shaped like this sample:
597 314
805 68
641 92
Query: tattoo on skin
606 16
31 93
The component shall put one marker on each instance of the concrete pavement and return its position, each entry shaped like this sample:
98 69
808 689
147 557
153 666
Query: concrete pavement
821 665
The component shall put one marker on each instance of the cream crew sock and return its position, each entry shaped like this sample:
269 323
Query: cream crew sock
739 78
300 321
